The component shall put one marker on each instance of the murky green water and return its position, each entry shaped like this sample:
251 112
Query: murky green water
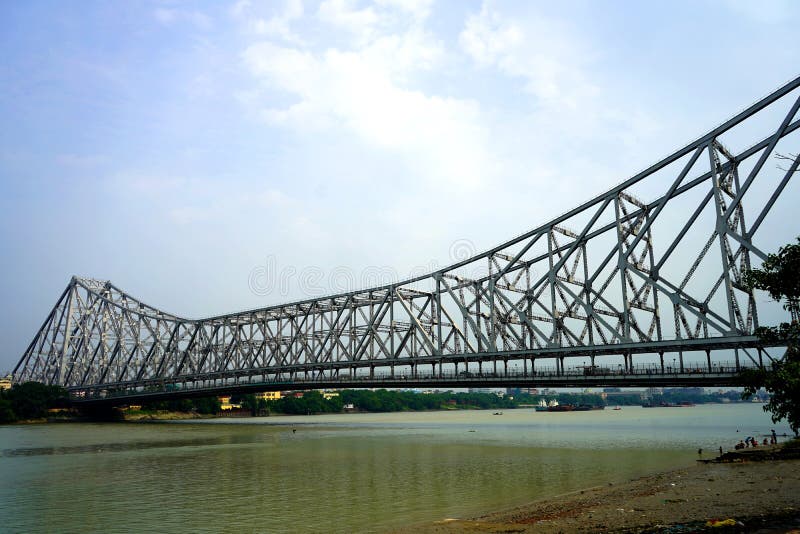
341 473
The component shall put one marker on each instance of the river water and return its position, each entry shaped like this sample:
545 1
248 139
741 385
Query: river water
338 473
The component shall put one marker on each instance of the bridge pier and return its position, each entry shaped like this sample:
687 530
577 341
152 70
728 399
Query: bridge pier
661 358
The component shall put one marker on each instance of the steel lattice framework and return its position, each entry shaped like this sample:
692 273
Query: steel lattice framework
614 276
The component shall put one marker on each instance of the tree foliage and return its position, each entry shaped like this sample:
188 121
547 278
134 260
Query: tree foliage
30 400
203 405
780 277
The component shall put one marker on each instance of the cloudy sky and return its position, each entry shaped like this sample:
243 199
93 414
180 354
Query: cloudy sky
176 148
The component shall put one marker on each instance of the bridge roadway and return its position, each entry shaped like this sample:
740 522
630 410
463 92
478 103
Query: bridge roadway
526 369
719 375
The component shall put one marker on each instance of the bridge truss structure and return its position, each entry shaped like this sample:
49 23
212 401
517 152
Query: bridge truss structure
614 284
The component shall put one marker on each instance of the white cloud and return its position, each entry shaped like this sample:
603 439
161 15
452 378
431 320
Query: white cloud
278 25
543 52
419 9
367 93
343 14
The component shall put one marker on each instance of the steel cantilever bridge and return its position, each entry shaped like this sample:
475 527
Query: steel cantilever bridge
617 291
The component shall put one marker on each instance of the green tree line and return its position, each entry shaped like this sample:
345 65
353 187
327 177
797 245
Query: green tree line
30 400
203 405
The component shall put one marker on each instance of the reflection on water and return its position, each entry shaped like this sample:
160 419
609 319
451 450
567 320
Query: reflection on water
365 472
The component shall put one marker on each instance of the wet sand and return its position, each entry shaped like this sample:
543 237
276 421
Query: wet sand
763 496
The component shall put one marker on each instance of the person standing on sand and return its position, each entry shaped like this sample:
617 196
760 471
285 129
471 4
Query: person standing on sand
720 451
699 452
774 437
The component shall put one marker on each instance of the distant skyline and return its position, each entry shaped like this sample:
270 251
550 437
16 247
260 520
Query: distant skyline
184 149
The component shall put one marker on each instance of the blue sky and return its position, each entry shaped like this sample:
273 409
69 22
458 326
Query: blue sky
175 148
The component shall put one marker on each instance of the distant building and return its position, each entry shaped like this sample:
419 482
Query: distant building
225 403
268 395
5 383
328 395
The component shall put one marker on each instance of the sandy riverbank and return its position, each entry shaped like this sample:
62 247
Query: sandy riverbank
764 494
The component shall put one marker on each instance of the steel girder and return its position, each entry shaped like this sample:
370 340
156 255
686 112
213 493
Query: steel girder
614 275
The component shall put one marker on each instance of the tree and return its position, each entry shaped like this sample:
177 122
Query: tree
31 400
780 277
793 159
207 405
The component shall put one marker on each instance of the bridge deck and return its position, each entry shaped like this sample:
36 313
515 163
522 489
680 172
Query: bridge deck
638 377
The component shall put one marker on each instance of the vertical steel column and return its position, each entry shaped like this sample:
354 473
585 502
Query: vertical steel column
622 266
721 229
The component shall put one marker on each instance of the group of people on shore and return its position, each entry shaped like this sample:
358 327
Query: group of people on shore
750 441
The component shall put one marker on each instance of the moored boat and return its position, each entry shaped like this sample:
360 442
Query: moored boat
554 406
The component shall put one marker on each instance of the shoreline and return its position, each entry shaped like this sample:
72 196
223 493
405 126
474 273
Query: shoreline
761 494
156 416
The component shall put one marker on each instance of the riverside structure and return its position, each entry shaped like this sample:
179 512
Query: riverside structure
650 291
